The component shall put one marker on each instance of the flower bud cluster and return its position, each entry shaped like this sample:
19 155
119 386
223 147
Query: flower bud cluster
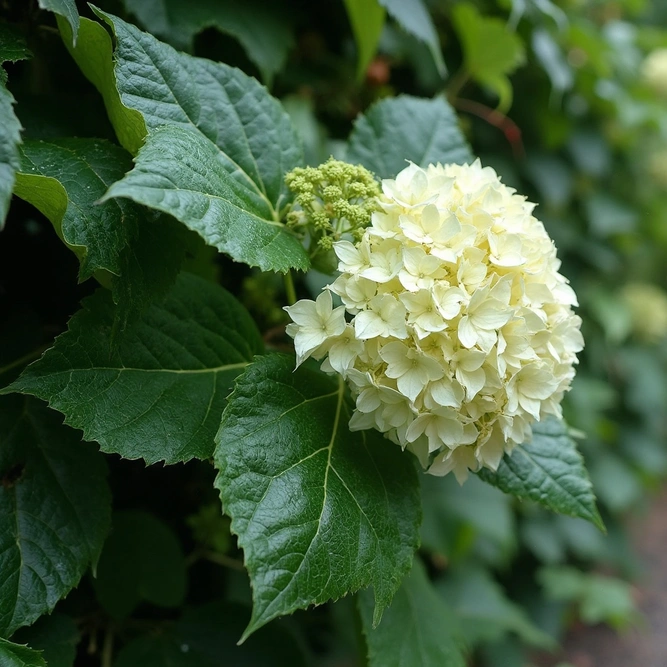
335 198
456 330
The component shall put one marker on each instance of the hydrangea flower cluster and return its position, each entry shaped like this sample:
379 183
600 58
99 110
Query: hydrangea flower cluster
456 330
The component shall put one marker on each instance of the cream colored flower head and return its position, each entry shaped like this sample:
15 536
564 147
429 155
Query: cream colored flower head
654 71
456 331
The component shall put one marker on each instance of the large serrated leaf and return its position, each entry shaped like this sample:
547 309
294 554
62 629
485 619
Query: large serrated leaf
16 655
262 28
158 394
236 119
54 510
180 172
417 629
549 470
319 511
395 131
65 179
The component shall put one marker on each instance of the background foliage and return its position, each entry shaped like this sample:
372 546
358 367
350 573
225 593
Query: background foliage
550 94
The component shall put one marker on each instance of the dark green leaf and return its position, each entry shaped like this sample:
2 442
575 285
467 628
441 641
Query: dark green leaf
482 513
600 598
10 138
262 28
236 127
141 560
65 179
15 655
319 511
413 17
483 610
55 635
54 510
66 9
159 393
406 128
93 53
207 635
182 173
13 46
549 470
417 629
367 18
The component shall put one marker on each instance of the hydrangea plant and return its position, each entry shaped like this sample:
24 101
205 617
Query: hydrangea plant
455 339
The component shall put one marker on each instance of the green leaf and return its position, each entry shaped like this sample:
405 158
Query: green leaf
484 612
600 598
367 19
15 655
159 393
13 46
55 635
417 629
262 28
549 470
180 172
413 17
476 511
10 138
235 125
234 132
319 511
67 9
93 53
65 179
402 129
54 510
490 50
142 561
206 633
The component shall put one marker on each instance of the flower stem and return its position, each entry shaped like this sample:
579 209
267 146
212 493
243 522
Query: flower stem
290 292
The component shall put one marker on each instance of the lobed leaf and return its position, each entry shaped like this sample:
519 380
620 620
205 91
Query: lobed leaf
549 470
319 511
417 629
54 510
407 129
159 393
